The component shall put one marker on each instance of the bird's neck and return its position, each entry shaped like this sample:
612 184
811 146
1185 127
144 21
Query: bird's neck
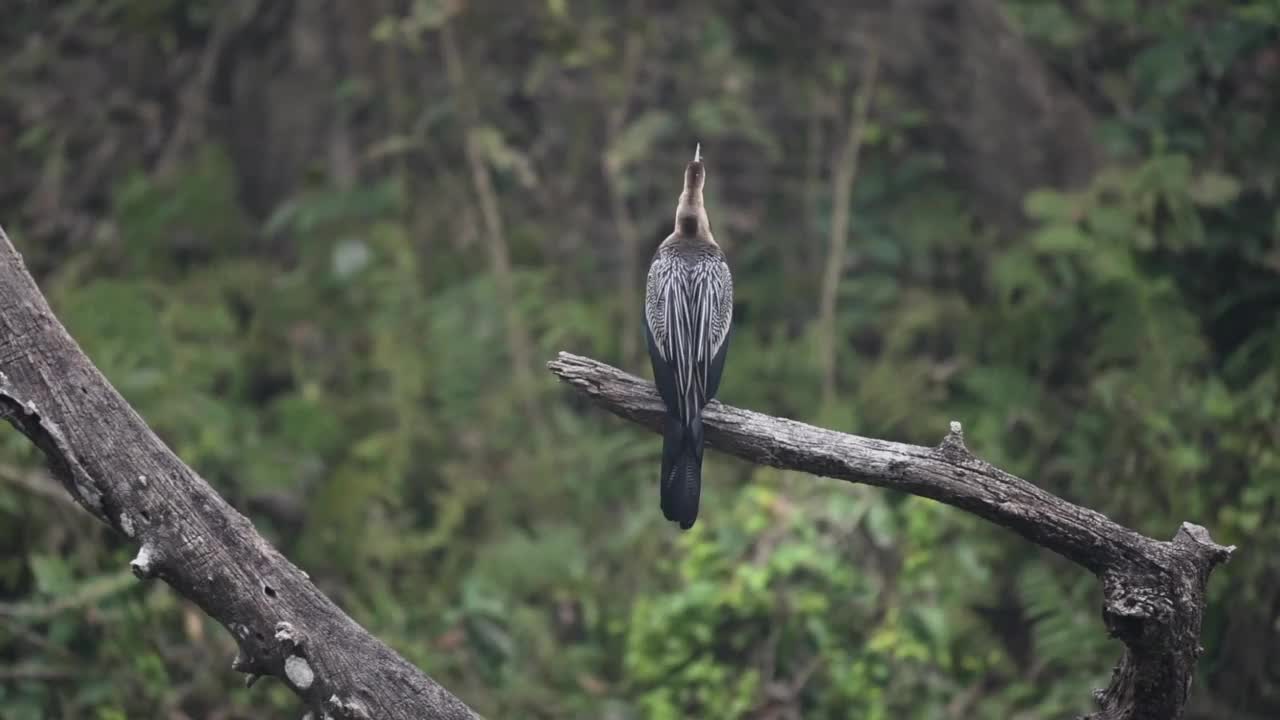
691 218
692 224
691 214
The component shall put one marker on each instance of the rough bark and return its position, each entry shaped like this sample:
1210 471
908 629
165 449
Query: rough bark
1153 590
120 471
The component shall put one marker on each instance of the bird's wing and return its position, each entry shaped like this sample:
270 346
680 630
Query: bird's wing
720 304
688 312
661 273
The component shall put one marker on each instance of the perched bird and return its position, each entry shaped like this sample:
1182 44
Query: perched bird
688 307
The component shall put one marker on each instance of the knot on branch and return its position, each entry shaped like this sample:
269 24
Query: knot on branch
952 445
291 640
1195 538
256 657
350 708
293 647
146 564
298 672
1131 609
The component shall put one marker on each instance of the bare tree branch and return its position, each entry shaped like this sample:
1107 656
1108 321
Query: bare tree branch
118 470
1153 590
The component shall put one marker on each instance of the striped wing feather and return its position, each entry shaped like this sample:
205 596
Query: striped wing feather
688 311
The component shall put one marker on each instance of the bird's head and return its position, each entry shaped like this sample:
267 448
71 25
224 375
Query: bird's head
691 214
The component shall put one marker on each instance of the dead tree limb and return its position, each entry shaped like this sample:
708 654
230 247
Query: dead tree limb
117 469
1153 590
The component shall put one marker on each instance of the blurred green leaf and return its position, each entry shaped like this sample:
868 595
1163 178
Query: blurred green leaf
1214 189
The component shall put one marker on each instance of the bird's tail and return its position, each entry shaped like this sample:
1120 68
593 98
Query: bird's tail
681 470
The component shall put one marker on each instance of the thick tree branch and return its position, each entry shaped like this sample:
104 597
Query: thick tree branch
1153 591
116 467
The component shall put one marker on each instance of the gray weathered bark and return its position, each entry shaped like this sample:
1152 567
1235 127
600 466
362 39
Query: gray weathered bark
118 470
1153 591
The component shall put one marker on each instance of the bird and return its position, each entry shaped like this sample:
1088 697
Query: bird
688 311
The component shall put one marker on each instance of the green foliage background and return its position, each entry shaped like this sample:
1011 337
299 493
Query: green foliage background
325 335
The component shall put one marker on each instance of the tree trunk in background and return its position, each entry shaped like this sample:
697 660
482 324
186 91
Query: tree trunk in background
1001 118
1004 122
280 63
282 116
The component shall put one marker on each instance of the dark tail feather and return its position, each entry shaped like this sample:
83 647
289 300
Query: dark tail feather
672 454
681 471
